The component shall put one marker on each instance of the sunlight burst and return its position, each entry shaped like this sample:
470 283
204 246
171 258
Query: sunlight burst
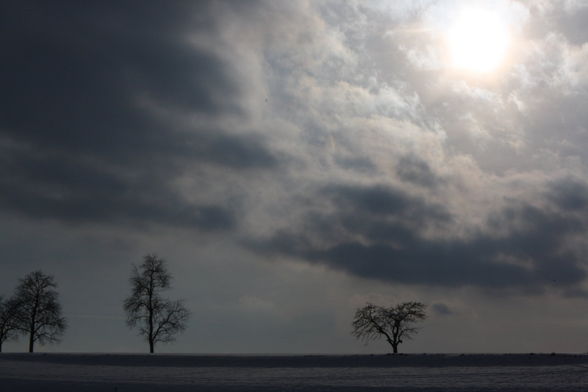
478 41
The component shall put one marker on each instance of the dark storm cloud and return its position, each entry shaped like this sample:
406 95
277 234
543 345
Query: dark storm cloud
236 152
78 139
77 190
569 194
385 201
378 233
413 169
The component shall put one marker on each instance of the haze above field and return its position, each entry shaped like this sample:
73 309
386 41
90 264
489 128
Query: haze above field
292 160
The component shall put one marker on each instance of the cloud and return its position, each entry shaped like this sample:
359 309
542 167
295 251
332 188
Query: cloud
362 165
381 234
383 201
569 194
415 170
452 198
96 121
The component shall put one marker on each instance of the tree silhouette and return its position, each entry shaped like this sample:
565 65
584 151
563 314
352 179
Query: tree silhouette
395 323
157 318
8 320
38 310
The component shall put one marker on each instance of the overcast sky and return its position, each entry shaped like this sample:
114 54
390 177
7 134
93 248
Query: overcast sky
292 160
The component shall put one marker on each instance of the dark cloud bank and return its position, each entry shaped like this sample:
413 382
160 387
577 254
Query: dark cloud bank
77 144
379 233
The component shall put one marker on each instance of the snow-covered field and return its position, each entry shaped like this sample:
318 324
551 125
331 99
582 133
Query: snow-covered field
122 372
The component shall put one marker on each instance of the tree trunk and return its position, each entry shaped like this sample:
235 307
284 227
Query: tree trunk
0 346
393 344
31 342
33 324
150 310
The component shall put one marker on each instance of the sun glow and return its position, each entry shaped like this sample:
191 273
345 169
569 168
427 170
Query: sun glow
478 41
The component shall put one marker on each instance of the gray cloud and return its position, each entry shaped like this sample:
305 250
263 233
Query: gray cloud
569 194
78 142
385 201
573 25
362 165
380 234
417 171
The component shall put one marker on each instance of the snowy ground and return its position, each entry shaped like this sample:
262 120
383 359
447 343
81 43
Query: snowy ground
121 373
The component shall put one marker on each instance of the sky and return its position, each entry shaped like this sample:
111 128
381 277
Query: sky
293 160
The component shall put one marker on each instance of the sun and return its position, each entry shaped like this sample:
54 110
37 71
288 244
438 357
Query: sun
478 41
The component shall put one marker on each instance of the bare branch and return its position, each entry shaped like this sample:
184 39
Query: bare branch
395 323
38 311
157 319
8 320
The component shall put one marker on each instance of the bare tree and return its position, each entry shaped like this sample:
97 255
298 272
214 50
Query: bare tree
395 323
38 310
158 319
8 324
